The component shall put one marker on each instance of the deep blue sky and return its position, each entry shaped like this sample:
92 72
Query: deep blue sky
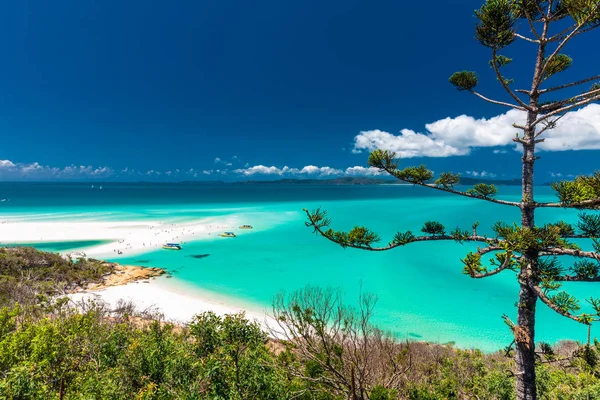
173 84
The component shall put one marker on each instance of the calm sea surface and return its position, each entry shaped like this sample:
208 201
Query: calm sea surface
422 292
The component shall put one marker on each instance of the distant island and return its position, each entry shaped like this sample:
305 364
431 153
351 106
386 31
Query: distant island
375 181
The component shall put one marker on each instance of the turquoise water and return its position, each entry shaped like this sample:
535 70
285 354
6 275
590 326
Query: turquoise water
421 289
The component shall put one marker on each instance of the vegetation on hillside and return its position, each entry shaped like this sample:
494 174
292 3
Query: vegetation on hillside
28 276
325 350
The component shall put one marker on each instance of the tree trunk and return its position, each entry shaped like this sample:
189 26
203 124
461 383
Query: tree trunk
524 331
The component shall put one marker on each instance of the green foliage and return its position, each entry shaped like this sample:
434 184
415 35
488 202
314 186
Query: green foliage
433 228
90 356
30 276
483 190
418 174
447 180
460 235
500 61
383 159
589 224
582 188
497 19
361 236
564 228
380 392
464 80
473 264
586 269
558 64
238 364
357 236
565 302
402 238
317 219
584 12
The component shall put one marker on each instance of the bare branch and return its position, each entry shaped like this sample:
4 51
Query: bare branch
525 38
502 103
489 249
556 105
531 21
556 251
568 85
572 278
582 204
504 84
549 125
570 107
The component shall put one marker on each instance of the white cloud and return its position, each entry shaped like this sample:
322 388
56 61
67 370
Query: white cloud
309 171
217 160
23 171
578 130
482 174
5 164
261 170
362 171
500 151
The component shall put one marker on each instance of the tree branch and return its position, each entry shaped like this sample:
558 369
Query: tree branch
572 278
549 125
590 94
525 38
505 265
538 291
570 107
581 204
552 89
569 37
504 84
502 103
450 190
474 238
560 251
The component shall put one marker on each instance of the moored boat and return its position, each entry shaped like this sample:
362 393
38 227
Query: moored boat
227 234
246 227
172 246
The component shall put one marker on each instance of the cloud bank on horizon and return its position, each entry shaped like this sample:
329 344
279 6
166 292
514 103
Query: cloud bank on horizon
577 130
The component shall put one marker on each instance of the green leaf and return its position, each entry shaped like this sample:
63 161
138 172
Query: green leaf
565 302
483 190
589 224
383 159
433 228
402 238
447 180
497 19
418 174
558 64
464 80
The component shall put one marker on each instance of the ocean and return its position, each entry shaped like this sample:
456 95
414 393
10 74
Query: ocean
421 290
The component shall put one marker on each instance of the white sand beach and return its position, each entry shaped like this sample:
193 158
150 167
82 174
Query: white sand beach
176 302
126 238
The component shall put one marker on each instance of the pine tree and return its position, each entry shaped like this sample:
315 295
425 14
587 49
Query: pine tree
532 251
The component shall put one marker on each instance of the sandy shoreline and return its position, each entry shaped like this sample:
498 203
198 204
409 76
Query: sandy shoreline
147 288
125 238
176 301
